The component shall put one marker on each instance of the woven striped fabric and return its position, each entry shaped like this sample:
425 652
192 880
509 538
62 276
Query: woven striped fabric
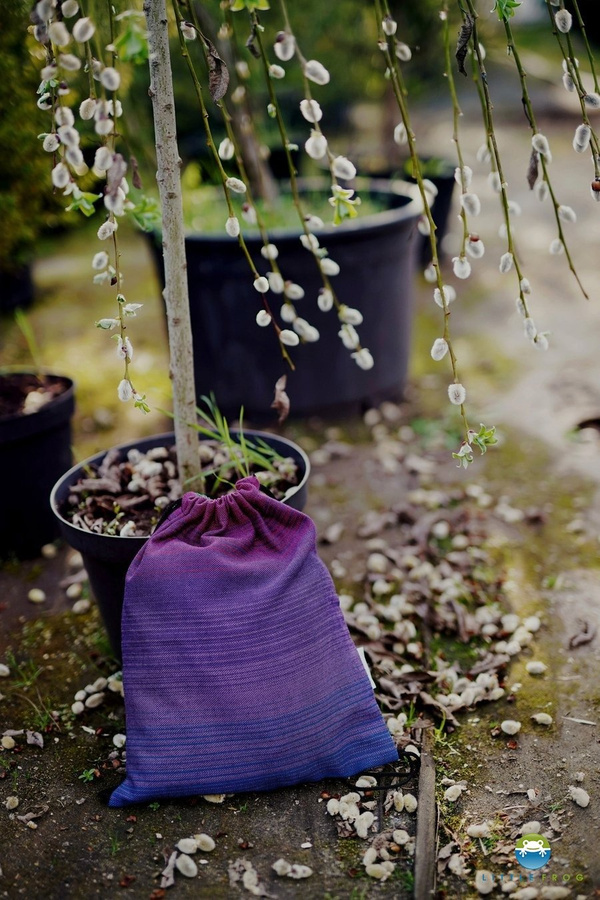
238 668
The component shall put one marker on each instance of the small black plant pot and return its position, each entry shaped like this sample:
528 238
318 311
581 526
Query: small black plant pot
35 450
240 362
108 557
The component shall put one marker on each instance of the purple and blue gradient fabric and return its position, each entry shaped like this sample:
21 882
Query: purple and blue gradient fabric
239 671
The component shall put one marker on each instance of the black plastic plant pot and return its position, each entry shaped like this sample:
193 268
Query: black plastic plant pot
35 450
108 557
17 289
241 362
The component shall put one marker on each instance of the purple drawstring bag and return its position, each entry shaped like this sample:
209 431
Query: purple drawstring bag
239 671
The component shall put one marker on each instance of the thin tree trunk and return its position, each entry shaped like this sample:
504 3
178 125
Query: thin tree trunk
176 287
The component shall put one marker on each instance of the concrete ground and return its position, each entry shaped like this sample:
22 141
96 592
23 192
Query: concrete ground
537 503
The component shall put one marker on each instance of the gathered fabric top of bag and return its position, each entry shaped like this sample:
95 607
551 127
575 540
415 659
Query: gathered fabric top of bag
239 670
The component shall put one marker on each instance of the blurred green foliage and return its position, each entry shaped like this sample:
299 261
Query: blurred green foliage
26 203
341 35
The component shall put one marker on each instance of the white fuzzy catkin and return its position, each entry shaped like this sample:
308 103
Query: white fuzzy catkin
269 251
276 282
564 20
330 267
540 144
506 263
293 291
579 796
581 139
310 242
51 143
525 285
403 51
263 318
365 361
593 100
236 185
124 391
349 337
83 29
60 176
59 34
475 247
541 190
494 182
110 78
463 176
461 267
232 226
430 274
483 154
400 134
316 72
316 145
389 26
325 300
261 284
289 338
285 46
530 329
226 149
556 247
106 230
349 315
100 260
542 718
567 214
64 116
456 394
439 349
343 168
287 313
449 295
510 726
311 110
471 204
87 108
103 159
568 83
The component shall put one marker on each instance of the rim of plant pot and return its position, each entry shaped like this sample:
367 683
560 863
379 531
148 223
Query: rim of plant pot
79 539
395 188
17 426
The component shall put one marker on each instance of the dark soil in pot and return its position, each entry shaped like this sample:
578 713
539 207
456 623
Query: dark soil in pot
25 393
126 493
107 556
35 450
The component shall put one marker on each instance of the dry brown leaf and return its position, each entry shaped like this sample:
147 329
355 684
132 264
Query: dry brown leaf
281 403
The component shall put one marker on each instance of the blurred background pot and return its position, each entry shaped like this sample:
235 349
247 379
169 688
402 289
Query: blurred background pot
240 363
35 450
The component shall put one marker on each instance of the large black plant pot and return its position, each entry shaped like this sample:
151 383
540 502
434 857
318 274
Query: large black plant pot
35 450
107 558
17 289
240 362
